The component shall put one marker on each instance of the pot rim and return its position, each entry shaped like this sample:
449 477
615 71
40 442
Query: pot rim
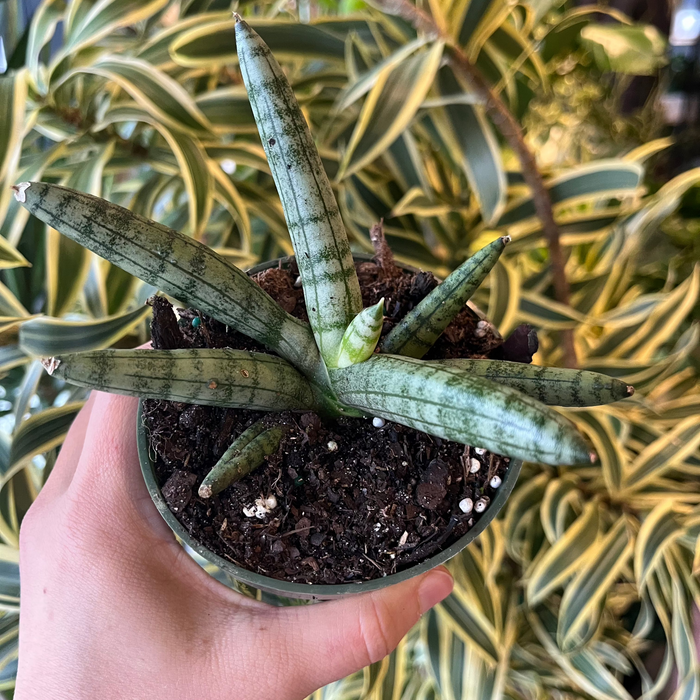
303 590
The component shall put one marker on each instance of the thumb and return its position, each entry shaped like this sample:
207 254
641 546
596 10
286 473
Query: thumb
329 641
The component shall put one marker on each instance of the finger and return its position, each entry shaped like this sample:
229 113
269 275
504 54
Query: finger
331 640
67 462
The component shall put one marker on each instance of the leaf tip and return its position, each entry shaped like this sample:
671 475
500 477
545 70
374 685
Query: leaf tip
50 364
21 191
237 18
630 390
593 457
205 491
506 240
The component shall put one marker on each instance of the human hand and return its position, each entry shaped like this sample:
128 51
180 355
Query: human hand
113 607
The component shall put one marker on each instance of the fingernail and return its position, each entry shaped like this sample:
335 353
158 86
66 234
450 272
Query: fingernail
436 586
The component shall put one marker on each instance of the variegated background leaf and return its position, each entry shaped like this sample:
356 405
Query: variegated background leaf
590 571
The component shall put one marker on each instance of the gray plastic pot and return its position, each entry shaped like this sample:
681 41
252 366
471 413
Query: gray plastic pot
313 591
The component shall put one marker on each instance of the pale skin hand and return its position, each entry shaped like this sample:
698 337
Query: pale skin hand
112 606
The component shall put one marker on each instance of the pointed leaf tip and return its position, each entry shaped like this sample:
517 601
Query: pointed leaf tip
593 457
361 336
237 19
20 191
506 240
50 364
630 390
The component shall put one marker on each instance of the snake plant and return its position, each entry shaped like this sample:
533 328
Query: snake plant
330 365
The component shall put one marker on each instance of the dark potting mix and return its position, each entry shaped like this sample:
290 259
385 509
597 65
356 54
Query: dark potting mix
342 500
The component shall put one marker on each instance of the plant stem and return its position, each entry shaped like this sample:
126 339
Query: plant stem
513 134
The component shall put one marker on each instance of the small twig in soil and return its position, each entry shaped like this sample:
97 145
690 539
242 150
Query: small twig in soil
512 132
382 251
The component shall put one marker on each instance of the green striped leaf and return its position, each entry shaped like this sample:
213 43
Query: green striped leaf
156 50
456 405
560 506
663 454
176 264
215 42
331 288
504 296
418 330
46 17
13 96
553 386
28 387
32 168
607 444
364 83
191 164
542 312
154 90
12 356
660 529
580 608
564 558
88 22
68 263
471 626
45 336
228 110
40 433
581 668
218 377
389 108
472 135
604 178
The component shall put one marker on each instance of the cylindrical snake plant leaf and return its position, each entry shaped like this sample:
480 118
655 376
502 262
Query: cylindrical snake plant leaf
553 386
213 377
456 405
245 454
418 330
331 287
361 336
180 266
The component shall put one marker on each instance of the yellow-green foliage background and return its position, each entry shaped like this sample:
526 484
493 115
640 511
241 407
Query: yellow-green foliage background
588 570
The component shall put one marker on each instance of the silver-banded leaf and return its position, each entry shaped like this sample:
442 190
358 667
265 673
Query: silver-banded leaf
212 377
175 264
418 330
331 287
45 336
361 337
554 386
455 405
246 453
